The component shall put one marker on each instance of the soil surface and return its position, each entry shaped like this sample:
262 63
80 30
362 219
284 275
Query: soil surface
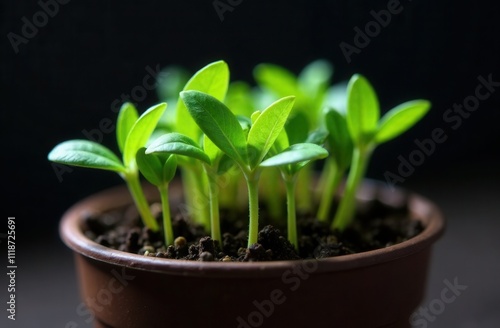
377 225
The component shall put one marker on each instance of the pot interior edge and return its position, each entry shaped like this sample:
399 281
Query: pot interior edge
71 231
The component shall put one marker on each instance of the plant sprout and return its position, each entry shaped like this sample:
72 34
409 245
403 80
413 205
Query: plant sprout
159 171
221 126
310 87
290 161
209 142
132 133
210 157
340 145
212 79
368 131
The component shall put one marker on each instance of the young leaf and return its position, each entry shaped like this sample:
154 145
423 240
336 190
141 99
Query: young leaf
126 119
156 169
170 82
296 153
169 168
277 79
210 148
141 131
225 164
218 123
86 153
267 128
150 166
317 137
239 98
363 110
212 79
280 144
255 115
315 77
297 128
314 81
245 123
176 143
338 138
400 119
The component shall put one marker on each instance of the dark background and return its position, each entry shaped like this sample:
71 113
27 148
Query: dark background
66 77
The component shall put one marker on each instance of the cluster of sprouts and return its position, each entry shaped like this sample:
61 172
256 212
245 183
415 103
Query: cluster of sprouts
220 134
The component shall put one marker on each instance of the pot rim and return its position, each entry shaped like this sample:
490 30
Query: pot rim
421 208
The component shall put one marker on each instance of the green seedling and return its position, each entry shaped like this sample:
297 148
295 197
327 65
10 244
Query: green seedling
340 145
212 79
310 87
211 159
367 131
132 133
290 161
159 171
209 142
221 126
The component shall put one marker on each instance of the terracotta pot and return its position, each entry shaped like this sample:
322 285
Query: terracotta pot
378 288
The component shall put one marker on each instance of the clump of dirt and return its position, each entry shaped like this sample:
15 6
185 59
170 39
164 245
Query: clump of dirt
376 225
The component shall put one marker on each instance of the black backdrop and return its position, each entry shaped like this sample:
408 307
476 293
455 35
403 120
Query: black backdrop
64 76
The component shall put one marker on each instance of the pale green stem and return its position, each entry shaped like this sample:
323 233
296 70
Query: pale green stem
214 205
253 206
194 192
304 195
227 195
330 187
134 185
167 221
345 212
325 176
291 215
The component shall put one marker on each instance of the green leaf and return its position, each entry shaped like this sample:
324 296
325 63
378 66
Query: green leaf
126 119
315 77
297 153
169 168
255 115
297 128
85 153
150 166
239 98
170 82
267 128
212 79
277 79
245 123
339 139
211 149
314 81
363 110
317 137
280 144
141 131
400 119
218 123
176 143
225 164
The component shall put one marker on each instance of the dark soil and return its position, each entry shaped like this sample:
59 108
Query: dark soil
377 225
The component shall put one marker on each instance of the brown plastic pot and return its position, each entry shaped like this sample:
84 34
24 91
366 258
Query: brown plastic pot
379 288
